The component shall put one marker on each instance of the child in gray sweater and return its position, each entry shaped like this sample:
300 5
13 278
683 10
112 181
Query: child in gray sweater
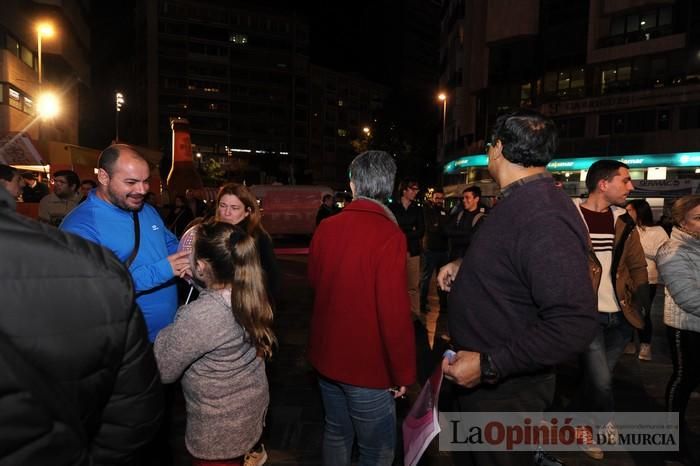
218 344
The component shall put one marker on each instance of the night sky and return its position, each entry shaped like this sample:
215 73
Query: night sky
359 36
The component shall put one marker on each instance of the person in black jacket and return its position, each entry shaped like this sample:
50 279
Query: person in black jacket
434 246
326 209
410 219
464 223
78 381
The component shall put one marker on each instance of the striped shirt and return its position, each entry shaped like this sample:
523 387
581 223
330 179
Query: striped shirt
601 226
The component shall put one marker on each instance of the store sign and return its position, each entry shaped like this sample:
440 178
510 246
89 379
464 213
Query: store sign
665 188
681 159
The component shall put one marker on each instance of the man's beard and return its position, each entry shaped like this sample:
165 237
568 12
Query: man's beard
121 203
66 195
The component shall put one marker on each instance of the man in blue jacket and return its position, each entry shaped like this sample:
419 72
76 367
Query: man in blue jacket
109 217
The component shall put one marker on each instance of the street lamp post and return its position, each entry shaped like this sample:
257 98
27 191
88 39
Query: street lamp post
42 30
119 101
443 97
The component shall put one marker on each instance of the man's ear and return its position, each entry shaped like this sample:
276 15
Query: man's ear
602 185
102 177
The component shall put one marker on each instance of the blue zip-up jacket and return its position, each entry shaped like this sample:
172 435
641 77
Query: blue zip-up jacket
112 227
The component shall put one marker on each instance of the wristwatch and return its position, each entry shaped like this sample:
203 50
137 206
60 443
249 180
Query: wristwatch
489 374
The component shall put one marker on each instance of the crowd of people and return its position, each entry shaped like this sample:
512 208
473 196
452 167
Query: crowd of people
83 370
537 281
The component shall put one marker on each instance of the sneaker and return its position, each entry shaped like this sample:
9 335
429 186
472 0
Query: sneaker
645 352
611 432
255 457
630 348
584 440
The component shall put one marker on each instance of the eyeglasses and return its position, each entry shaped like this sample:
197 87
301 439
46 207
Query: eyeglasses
414 188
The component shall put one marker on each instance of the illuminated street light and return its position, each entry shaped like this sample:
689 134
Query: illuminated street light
443 98
42 30
366 130
47 105
119 103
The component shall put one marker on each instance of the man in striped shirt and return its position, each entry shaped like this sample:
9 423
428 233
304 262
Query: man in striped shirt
619 274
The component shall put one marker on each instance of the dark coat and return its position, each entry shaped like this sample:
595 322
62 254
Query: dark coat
68 309
411 223
459 230
436 219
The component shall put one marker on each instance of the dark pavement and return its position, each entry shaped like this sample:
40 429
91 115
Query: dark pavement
295 422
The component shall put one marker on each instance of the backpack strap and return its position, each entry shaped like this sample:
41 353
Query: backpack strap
477 218
137 240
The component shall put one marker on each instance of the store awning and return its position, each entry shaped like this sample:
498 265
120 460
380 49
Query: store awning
680 159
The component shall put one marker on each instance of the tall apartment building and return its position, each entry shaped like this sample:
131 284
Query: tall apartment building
237 71
341 111
240 73
65 69
621 78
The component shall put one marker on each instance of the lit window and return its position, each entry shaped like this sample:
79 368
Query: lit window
342 132
29 106
340 103
15 99
240 39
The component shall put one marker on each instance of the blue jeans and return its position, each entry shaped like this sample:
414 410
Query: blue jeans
600 359
368 413
431 261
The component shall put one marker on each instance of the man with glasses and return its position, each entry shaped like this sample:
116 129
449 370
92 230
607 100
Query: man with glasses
410 219
54 207
521 299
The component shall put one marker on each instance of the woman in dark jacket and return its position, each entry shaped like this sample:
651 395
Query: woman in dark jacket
236 205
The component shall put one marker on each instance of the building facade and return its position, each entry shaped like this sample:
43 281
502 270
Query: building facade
340 120
620 78
65 69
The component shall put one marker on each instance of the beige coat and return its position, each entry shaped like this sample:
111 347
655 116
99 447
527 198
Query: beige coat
631 272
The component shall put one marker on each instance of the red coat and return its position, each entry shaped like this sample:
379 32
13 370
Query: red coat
361 328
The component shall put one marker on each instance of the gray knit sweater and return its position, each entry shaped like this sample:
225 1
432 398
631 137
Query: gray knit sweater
224 382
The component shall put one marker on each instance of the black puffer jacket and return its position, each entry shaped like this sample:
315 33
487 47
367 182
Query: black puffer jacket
68 310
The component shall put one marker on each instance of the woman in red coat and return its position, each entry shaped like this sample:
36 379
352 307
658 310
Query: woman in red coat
362 337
